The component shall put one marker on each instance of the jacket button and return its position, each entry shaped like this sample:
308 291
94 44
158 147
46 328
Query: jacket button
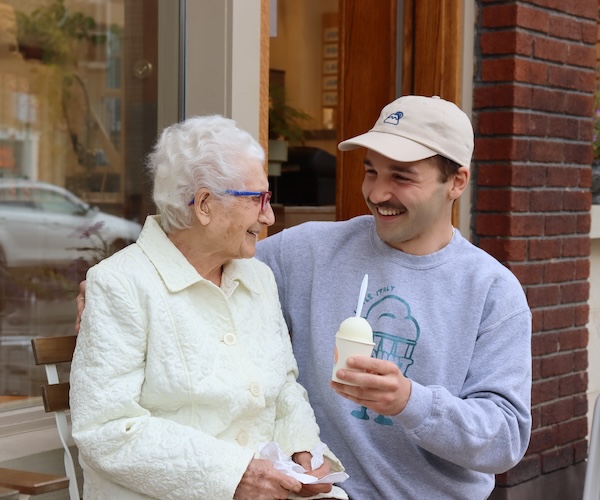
255 389
229 339
242 438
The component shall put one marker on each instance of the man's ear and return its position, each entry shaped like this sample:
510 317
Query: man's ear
202 206
460 181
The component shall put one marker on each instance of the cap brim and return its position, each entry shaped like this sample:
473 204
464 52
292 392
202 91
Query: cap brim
389 145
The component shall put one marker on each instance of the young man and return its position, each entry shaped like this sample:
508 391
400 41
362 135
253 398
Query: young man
444 402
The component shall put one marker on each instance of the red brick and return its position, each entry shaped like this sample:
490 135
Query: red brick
582 269
569 77
576 246
544 391
549 150
560 224
496 122
544 248
532 18
581 55
581 403
506 42
579 199
501 148
546 200
557 411
509 225
541 439
585 177
499 16
575 292
582 315
565 27
546 99
545 295
505 249
580 153
510 174
584 223
564 127
573 383
579 104
500 200
589 33
537 322
586 9
520 70
576 338
559 271
545 343
512 95
572 430
580 360
536 417
549 49
528 273
558 317
560 176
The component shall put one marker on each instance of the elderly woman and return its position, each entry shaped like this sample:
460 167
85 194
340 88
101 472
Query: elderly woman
183 365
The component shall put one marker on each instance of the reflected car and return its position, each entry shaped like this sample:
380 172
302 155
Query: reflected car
45 224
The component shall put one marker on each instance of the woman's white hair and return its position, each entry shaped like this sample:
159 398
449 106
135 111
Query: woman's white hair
200 152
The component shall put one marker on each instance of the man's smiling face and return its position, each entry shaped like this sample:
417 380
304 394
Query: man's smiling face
411 206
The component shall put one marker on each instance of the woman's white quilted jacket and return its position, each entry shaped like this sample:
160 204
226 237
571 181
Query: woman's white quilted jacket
175 381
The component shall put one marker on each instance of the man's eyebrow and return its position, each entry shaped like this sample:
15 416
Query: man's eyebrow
395 167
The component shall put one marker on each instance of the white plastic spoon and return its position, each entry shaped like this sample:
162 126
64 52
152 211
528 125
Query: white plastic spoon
361 296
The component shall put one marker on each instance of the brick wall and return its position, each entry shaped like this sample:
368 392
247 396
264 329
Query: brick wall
533 100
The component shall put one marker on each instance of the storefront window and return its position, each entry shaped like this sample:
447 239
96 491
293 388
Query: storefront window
78 115
303 111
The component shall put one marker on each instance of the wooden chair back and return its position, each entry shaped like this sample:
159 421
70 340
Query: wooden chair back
51 352
48 352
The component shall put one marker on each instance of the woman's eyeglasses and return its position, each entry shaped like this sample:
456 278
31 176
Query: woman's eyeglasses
265 197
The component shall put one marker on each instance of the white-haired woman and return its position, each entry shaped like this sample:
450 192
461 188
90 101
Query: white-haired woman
183 365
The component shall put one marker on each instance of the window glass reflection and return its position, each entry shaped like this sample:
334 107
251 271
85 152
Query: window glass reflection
76 122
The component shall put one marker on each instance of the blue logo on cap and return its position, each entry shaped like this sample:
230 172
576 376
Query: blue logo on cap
394 118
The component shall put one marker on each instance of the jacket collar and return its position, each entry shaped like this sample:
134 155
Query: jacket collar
175 270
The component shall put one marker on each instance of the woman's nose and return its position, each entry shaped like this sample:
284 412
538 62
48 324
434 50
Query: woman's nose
267 217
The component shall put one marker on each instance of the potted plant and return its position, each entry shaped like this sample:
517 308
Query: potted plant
49 33
285 126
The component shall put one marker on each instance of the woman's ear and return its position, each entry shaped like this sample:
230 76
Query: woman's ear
202 206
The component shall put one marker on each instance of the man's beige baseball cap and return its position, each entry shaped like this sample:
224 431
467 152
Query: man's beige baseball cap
415 127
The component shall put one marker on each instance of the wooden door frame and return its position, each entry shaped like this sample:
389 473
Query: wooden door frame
431 65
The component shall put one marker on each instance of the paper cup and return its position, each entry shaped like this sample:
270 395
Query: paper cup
344 348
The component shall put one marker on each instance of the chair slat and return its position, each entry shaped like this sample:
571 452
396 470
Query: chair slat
56 396
32 483
53 349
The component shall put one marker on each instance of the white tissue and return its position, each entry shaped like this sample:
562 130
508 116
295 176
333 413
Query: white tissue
272 452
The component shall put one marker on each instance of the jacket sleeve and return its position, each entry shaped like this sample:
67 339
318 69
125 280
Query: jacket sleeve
115 435
487 427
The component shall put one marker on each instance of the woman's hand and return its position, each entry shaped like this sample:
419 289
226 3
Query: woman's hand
303 458
80 301
262 482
